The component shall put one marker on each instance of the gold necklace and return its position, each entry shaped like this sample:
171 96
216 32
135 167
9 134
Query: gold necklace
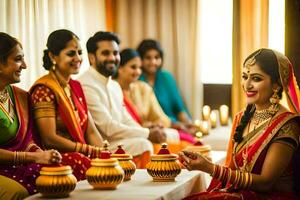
4 95
262 115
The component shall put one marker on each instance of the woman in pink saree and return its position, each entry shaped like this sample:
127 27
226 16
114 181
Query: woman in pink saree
263 150
21 159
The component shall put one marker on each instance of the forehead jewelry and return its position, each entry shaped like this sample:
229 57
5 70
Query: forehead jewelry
251 61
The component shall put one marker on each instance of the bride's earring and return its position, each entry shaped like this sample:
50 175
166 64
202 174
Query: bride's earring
274 100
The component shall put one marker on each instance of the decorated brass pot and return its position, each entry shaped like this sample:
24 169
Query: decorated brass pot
199 146
125 161
164 166
105 173
56 182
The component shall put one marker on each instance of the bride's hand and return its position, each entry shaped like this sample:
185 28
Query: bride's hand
194 161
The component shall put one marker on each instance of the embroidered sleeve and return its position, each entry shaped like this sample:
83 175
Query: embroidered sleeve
289 134
43 100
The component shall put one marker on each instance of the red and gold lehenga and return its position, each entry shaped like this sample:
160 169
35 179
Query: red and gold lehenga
25 174
282 128
66 102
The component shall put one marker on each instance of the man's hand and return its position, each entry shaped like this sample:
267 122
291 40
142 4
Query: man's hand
157 135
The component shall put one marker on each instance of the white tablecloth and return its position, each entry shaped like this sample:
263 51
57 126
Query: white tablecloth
218 138
142 187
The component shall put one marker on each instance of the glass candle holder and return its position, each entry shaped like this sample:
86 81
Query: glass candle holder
205 112
205 126
224 115
213 119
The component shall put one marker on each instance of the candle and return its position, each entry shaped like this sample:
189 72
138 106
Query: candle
205 112
205 127
213 119
224 111
197 123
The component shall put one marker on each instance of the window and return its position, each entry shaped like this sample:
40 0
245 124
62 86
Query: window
215 35
216 18
276 25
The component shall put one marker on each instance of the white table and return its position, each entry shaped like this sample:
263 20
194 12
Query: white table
142 187
218 138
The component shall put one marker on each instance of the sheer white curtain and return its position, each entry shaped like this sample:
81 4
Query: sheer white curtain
175 24
31 21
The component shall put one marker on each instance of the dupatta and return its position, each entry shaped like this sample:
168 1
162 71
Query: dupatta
24 135
290 89
256 153
67 113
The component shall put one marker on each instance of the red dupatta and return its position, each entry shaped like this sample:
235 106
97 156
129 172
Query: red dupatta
68 116
132 111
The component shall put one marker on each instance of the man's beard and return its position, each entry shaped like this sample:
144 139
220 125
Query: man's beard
105 71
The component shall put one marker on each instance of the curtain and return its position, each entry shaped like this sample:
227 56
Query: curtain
31 21
174 23
250 32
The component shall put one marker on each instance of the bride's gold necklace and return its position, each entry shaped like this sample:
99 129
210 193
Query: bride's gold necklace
261 115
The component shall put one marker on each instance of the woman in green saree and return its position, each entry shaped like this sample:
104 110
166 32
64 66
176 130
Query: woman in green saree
21 158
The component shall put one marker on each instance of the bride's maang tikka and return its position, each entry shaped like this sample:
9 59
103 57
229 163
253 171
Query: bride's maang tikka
251 61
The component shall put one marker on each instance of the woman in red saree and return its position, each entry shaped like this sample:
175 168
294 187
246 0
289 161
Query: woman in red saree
21 159
263 150
59 105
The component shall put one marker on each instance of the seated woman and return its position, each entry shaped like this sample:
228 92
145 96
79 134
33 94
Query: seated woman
165 88
60 109
140 100
21 159
264 147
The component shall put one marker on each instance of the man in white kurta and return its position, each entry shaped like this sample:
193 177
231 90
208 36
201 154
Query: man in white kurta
105 98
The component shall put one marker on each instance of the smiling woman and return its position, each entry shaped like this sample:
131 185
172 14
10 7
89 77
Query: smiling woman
60 109
21 158
264 143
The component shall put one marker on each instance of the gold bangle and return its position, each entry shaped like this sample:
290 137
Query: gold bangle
237 179
214 171
90 150
83 150
250 180
15 157
229 175
78 147
245 183
221 173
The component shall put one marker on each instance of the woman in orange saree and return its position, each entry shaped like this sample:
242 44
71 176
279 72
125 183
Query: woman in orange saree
21 159
263 150
60 109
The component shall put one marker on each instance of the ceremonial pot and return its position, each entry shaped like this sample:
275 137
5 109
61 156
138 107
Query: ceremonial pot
105 172
164 166
125 161
56 182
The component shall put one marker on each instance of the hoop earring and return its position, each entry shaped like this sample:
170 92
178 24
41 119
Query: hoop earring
274 100
53 65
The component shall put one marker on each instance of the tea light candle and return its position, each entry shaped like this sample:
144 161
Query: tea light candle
213 119
224 115
205 127
205 112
